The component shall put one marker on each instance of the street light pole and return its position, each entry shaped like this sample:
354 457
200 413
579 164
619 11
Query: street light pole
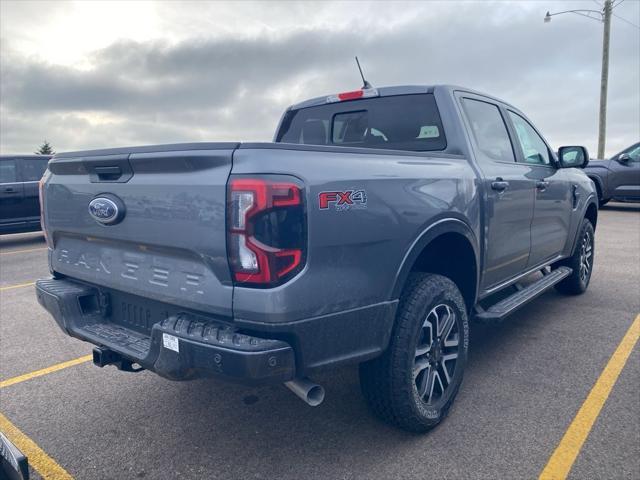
604 79
605 18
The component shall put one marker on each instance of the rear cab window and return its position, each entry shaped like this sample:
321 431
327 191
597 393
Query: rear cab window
400 122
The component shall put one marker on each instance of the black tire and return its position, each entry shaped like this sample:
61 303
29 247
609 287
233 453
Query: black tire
388 383
582 259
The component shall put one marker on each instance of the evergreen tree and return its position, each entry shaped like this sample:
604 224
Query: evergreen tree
45 149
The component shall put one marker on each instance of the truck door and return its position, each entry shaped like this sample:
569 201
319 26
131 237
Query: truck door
624 179
508 191
11 192
553 192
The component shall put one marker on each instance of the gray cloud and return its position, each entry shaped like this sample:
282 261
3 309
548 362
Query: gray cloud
235 87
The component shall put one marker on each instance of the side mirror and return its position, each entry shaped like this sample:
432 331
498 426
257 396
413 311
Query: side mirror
624 158
573 157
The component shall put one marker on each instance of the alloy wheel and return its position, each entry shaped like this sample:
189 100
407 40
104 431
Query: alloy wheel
586 257
436 353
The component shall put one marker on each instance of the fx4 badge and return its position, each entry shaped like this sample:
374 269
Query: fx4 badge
356 199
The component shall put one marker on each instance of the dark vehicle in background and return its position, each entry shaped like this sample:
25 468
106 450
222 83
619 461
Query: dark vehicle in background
19 202
370 231
617 178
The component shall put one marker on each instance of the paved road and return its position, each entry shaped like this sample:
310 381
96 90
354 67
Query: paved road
525 383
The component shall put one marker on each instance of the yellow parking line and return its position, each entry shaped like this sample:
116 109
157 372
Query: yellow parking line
26 250
11 287
42 463
569 447
45 371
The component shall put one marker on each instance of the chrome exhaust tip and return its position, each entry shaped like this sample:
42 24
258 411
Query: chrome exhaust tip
307 390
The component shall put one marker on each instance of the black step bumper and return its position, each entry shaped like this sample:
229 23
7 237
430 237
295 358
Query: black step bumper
181 346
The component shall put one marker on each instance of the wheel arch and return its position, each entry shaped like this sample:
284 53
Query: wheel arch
591 213
432 252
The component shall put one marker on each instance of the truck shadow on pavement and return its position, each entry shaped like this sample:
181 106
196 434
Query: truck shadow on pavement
210 420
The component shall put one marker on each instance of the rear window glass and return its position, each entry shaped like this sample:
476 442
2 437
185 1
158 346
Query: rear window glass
402 122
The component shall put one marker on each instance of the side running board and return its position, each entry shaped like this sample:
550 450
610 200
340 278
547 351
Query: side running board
504 308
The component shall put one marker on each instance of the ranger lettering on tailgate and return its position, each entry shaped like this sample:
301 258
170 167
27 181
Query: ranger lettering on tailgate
133 266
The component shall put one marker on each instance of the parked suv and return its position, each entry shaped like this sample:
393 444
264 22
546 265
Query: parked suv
374 227
617 178
19 203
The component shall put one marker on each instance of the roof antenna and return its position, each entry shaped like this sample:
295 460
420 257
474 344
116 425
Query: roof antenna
365 84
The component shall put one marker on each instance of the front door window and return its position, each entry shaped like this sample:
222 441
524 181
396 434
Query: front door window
534 149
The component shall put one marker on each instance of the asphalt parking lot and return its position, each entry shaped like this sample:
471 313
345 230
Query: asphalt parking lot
527 379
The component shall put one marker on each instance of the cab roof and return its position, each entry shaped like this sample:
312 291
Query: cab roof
400 90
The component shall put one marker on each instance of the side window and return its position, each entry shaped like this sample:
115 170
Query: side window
32 170
8 171
634 153
534 149
489 130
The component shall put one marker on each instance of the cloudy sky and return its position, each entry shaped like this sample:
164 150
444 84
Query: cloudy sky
92 74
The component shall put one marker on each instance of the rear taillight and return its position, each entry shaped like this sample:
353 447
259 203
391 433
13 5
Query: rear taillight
43 223
266 229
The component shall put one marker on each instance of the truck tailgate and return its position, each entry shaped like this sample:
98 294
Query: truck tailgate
170 244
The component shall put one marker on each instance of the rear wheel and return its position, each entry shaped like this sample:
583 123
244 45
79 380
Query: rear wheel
413 384
581 262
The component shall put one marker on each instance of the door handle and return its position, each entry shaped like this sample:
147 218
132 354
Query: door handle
108 174
499 185
8 190
542 185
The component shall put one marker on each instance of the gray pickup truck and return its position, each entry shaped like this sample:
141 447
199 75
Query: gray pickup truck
371 230
617 178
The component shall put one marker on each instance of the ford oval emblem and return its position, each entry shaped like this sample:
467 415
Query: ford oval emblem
106 210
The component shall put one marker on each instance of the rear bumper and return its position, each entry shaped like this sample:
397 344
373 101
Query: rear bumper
144 331
182 346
